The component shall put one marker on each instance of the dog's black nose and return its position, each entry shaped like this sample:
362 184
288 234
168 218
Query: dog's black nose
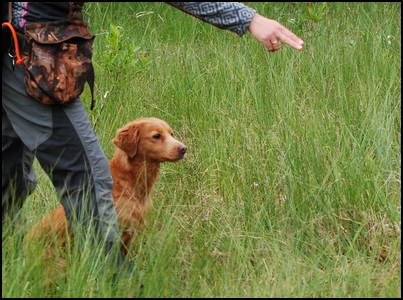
183 149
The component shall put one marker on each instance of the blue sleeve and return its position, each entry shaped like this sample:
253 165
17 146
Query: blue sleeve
233 16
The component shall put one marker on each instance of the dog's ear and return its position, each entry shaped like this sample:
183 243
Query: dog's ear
127 139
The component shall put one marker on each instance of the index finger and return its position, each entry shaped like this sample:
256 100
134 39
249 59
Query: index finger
289 38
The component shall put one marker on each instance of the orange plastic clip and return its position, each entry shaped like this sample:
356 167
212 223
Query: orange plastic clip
19 61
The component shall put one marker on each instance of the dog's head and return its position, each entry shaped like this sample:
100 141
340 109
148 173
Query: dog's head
149 139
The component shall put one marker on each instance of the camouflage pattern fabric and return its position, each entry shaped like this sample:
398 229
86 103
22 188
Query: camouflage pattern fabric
58 61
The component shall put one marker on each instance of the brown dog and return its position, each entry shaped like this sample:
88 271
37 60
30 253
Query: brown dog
141 146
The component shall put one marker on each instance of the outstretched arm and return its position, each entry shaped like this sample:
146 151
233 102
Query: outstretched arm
239 18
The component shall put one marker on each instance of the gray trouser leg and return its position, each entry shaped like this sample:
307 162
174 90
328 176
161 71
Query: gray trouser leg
80 172
18 177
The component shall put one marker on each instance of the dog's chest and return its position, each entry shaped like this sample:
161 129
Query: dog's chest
133 212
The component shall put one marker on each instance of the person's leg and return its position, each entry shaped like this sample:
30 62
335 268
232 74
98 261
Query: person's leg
79 170
18 177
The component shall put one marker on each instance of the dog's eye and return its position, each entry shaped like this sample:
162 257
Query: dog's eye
157 136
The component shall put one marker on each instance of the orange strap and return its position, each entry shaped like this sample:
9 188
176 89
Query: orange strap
19 61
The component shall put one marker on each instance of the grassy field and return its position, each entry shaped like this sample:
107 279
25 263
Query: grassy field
292 183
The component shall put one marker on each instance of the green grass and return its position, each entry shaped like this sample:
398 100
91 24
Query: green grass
291 186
